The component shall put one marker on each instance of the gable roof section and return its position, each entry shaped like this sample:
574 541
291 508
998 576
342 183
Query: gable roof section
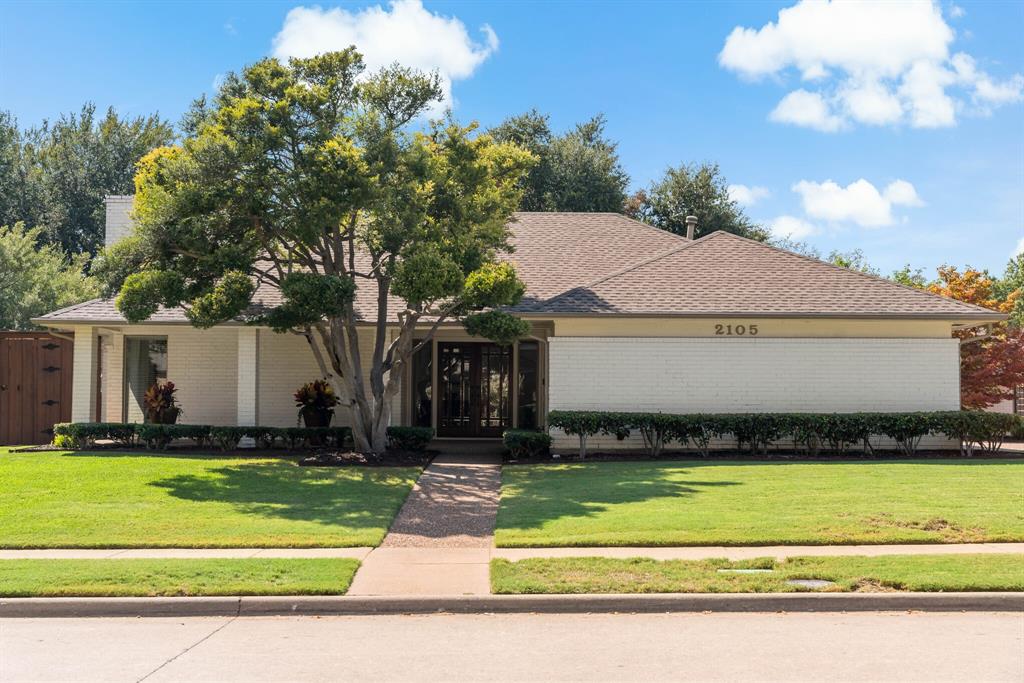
607 264
724 274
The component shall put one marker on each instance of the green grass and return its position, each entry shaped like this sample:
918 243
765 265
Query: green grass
735 503
887 572
98 500
96 578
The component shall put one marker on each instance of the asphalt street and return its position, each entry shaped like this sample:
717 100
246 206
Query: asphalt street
519 647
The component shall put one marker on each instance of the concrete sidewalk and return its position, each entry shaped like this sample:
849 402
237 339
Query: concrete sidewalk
750 552
459 556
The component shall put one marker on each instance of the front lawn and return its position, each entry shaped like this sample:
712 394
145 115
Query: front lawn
100 578
886 572
110 500
736 503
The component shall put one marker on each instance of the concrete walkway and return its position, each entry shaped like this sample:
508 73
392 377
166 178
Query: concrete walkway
440 542
750 552
359 553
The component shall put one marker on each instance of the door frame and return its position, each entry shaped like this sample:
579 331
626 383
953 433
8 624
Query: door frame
443 336
472 357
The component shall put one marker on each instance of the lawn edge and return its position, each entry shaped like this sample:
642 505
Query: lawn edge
550 604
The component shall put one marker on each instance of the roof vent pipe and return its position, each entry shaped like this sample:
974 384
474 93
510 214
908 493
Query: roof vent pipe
691 226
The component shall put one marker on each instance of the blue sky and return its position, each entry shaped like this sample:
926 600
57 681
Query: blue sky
898 129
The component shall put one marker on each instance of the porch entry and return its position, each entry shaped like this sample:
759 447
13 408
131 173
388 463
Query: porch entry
482 389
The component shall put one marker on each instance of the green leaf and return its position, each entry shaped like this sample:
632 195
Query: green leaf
498 326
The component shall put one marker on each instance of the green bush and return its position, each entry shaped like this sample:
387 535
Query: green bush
227 438
582 424
526 443
808 432
410 438
86 434
1017 431
154 436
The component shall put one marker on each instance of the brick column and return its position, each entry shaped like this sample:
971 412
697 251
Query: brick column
83 385
248 378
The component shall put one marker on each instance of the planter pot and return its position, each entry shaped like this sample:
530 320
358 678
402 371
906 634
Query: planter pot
165 417
317 417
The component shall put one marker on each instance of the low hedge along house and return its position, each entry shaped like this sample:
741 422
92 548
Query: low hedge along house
624 317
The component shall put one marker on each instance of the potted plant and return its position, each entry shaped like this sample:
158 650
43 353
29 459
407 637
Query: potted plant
316 401
160 404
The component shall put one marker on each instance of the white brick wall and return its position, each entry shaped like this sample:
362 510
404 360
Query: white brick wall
203 364
684 375
286 363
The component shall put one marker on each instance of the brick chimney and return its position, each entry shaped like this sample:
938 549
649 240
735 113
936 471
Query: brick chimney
118 222
691 226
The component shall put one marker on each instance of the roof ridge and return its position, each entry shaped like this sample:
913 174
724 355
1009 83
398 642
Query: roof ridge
623 271
870 276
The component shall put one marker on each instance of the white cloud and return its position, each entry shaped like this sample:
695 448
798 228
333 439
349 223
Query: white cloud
902 193
791 227
405 33
874 63
808 109
956 11
1020 247
859 202
748 196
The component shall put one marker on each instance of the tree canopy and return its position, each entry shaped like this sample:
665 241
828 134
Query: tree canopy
308 176
576 171
37 279
55 176
990 365
693 190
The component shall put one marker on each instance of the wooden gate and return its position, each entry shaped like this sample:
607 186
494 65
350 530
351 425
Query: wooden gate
35 386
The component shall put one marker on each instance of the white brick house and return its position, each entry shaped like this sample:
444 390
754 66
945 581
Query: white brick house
624 317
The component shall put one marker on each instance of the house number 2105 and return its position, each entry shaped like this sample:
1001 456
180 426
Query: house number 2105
736 330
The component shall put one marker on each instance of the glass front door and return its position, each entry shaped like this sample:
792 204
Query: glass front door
475 389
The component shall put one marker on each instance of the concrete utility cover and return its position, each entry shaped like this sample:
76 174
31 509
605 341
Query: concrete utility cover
811 583
746 571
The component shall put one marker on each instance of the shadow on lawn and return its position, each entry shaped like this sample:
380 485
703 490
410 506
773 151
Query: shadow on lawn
554 497
361 499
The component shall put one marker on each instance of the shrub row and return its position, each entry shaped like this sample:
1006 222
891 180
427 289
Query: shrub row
525 444
75 435
807 432
410 438
157 436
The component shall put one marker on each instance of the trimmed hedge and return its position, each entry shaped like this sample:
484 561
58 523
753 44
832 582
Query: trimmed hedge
414 439
76 435
808 432
526 443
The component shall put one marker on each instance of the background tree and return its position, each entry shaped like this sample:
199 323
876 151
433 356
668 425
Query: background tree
36 280
306 177
1010 288
693 190
21 194
990 365
853 260
577 171
55 176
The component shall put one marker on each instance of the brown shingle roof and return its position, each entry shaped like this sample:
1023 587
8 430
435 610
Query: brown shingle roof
723 274
607 264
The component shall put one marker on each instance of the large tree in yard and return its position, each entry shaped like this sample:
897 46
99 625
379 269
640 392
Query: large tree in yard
314 178
991 361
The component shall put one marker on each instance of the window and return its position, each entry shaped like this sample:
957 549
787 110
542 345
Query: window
528 380
1018 400
145 364
422 386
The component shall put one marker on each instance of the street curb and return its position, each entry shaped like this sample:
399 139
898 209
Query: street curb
550 604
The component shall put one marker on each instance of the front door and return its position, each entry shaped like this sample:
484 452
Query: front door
475 387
